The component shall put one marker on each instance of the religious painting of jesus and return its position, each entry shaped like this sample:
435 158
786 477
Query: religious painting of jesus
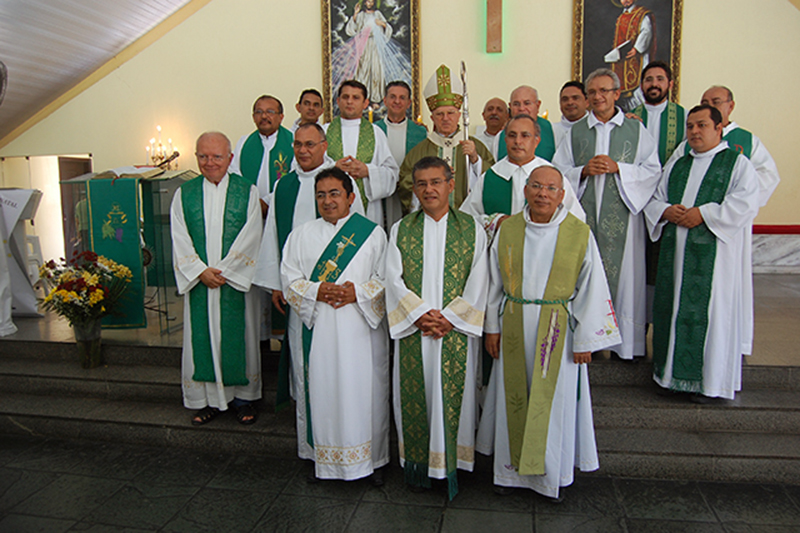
624 36
374 42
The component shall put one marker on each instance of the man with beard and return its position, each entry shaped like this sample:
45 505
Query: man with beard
663 119
495 115
574 106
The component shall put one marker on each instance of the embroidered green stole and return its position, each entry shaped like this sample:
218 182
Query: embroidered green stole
670 131
738 139
497 193
547 141
415 133
529 416
691 322
458 256
610 228
330 265
364 152
232 304
280 157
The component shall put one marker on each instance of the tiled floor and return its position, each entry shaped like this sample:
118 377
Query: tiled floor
60 485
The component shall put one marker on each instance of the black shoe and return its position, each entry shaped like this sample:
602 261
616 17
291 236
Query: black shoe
700 399
377 478
503 491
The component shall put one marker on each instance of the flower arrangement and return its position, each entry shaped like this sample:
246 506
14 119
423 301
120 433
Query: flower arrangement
84 289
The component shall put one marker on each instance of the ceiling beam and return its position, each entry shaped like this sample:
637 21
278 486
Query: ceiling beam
109 66
795 3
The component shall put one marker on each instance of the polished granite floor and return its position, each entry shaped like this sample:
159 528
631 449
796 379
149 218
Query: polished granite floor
777 315
68 485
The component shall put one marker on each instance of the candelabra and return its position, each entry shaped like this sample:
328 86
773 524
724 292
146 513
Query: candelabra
159 155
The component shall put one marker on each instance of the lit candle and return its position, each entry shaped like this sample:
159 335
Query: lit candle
170 146
147 159
159 134
370 115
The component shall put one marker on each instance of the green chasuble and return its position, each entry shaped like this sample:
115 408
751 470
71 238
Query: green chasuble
330 265
497 193
610 226
691 322
547 143
529 413
738 139
232 302
280 157
364 152
415 133
458 256
672 129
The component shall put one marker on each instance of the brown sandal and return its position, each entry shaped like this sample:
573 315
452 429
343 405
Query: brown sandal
204 416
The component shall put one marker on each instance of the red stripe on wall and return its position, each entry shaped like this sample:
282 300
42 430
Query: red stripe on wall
763 229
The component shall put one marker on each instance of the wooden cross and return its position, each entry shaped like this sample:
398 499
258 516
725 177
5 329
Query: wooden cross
494 26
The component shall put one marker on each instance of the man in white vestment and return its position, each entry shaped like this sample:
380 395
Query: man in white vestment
361 150
293 204
333 279
402 133
310 108
216 233
702 211
495 116
266 154
500 191
574 106
436 302
542 328
612 162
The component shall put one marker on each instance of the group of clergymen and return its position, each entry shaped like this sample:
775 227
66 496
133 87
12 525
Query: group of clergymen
539 256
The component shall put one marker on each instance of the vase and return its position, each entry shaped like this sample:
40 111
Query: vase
87 339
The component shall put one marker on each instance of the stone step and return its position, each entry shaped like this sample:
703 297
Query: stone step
752 411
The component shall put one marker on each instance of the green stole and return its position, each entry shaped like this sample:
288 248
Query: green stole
330 265
280 157
458 255
497 193
670 131
364 153
232 304
529 417
691 322
547 142
738 139
415 133
610 228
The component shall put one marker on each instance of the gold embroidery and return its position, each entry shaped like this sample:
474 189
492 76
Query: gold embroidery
437 459
297 290
334 455
466 312
408 303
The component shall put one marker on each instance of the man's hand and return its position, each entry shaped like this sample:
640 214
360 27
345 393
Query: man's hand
468 147
632 52
691 218
493 344
355 168
279 301
346 295
328 293
211 278
599 164
582 357
500 220
443 326
634 116
673 213
357 9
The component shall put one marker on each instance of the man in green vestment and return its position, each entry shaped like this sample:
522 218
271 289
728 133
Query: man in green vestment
437 273
548 308
216 233
266 154
524 100
443 94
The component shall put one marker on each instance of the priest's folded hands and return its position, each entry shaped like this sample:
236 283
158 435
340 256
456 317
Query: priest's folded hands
336 295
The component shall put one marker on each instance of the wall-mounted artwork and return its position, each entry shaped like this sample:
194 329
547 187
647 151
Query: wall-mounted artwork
374 42
625 35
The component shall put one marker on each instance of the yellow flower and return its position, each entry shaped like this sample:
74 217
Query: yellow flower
91 279
96 296
66 276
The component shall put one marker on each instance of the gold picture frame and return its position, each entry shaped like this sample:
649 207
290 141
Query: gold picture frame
398 53
595 36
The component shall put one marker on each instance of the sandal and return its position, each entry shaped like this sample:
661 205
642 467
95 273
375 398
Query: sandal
204 416
246 414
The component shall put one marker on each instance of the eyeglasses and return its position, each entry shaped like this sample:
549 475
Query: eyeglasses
433 183
308 144
259 112
601 90
549 188
717 101
335 193
202 158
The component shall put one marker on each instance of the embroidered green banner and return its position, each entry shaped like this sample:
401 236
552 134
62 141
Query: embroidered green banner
280 157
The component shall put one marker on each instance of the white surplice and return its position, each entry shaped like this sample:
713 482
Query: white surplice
238 268
518 175
465 312
268 271
383 170
570 434
636 181
730 222
348 370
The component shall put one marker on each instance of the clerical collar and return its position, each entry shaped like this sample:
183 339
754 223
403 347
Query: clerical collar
388 121
351 121
567 122
341 221
710 153
617 119
656 107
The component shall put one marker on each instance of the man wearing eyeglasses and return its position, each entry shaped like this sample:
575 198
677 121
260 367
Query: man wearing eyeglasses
216 233
293 204
266 154
542 328
612 162
333 278
437 273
